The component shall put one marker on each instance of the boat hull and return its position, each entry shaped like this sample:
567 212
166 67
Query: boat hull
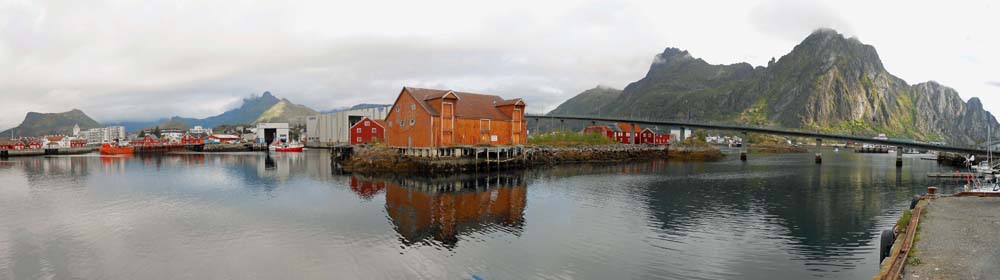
287 149
109 150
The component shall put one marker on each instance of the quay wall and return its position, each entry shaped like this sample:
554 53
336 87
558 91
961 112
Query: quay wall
42 152
452 160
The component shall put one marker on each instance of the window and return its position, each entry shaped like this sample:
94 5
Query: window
390 124
400 123
397 109
359 139
373 130
359 130
413 107
413 121
368 123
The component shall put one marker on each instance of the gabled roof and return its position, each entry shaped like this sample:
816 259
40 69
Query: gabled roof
379 123
626 127
468 105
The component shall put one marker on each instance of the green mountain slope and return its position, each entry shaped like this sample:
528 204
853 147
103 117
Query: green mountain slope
827 83
286 111
39 124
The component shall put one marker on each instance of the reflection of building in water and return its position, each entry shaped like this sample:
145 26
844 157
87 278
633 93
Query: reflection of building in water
366 189
443 210
281 165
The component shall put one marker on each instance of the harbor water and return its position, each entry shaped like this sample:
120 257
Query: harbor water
290 216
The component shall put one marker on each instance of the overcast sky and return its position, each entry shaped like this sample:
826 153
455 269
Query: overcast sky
144 60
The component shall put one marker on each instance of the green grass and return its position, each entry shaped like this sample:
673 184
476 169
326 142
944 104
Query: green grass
570 138
903 220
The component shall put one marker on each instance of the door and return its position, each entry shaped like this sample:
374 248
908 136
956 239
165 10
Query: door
484 131
409 141
447 124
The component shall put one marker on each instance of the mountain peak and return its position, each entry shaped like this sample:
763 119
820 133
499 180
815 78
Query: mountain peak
671 55
266 94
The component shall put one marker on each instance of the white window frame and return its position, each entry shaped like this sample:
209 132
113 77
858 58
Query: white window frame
373 130
368 123
358 139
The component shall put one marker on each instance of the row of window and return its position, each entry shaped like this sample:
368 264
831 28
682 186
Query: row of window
359 130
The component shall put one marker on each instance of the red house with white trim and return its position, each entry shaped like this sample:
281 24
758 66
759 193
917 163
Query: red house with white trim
366 130
648 136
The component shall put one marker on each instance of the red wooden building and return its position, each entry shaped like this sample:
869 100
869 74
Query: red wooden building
648 136
367 130
623 133
444 118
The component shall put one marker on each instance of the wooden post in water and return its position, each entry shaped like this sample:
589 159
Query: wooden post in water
744 147
819 153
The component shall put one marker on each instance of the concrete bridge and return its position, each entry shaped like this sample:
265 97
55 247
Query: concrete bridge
772 131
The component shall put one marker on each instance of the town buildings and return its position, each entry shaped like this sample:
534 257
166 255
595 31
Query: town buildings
366 131
103 135
223 139
625 133
334 128
442 118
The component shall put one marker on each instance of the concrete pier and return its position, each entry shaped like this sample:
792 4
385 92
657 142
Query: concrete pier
899 156
744 147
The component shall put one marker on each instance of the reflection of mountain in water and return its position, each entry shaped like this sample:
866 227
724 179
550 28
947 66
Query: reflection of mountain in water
822 212
443 210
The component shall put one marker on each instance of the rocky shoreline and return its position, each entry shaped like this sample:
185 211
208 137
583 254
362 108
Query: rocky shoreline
776 149
381 160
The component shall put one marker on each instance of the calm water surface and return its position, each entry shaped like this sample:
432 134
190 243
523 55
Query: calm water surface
288 216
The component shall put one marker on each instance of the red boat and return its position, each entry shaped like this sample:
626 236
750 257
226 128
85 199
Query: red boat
286 148
107 149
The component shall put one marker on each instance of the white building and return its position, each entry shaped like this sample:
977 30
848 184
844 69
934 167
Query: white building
103 135
268 132
334 128
55 142
200 130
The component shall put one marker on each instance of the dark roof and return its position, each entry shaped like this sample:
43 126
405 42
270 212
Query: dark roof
468 105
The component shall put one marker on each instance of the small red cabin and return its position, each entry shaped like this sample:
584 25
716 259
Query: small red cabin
367 130
648 136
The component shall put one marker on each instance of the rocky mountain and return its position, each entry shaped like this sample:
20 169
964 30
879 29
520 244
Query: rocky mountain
826 83
39 124
589 102
286 111
263 108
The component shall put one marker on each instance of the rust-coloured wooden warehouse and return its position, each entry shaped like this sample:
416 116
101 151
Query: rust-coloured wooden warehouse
442 118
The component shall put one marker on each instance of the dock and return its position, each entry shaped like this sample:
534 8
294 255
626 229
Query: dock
954 175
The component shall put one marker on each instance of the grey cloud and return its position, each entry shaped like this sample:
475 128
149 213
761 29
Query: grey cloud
792 20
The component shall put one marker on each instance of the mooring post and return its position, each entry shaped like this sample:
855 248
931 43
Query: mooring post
899 156
744 147
819 153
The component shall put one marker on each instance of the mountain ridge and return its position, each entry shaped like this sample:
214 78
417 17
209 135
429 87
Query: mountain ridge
827 83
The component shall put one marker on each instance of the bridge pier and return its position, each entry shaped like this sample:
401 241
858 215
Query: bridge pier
744 147
899 156
819 151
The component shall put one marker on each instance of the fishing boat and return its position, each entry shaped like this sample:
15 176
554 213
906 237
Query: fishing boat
108 149
277 146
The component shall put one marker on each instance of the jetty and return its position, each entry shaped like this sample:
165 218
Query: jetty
43 152
451 160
